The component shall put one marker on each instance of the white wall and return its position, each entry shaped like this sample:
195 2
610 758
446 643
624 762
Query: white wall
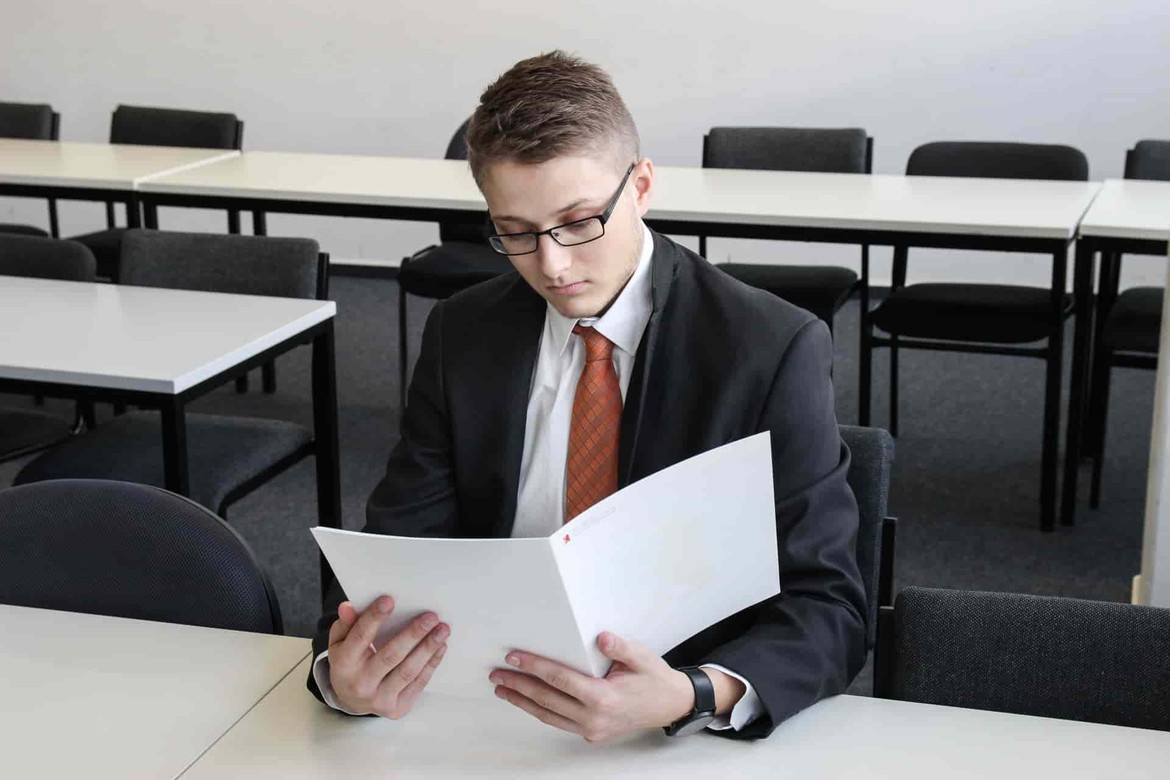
394 77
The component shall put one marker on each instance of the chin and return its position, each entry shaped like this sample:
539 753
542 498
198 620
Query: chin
576 308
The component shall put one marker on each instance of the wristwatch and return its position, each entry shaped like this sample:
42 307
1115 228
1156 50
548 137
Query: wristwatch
704 711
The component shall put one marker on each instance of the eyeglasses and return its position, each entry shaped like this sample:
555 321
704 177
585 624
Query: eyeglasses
575 233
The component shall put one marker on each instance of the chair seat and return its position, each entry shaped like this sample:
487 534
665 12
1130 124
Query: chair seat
1135 321
447 268
991 313
223 453
23 230
819 289
106 246
27 430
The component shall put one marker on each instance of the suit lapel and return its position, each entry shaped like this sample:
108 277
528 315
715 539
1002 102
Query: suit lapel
521 321
663 269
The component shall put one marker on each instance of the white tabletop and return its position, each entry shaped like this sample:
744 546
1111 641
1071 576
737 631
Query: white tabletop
331 178
998 207
138 338
290 735
1130 208
95 166
96 697
1015 208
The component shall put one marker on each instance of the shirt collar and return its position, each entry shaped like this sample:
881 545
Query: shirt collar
625 320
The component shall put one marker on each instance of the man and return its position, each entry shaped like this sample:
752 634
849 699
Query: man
612 353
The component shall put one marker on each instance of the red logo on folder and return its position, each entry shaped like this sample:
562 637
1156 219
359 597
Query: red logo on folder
566 538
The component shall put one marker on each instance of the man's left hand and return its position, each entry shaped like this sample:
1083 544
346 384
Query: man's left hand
640 691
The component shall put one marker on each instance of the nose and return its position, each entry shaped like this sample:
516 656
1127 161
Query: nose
554 259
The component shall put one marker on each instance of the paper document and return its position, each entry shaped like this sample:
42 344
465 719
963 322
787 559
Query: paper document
656 562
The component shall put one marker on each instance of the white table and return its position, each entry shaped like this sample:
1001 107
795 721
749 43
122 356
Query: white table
162 348
290 735
97 697
85 171
1133 216
961 213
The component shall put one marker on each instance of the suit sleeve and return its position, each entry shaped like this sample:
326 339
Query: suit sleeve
417 495
808 642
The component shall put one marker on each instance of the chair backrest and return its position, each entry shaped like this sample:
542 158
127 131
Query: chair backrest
129 550
990 160
1148 160
825 150
35 121
248 265
145 126
45 258
871 457
470 230
996 160
1034 655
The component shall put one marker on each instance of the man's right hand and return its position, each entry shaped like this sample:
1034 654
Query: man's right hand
386 682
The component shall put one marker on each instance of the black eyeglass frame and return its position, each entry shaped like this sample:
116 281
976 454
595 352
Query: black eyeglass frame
603 217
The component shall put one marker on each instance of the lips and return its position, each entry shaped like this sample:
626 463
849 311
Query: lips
568 289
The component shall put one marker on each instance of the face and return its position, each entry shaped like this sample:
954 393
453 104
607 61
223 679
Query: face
578 281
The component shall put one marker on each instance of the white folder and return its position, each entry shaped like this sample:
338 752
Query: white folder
656 563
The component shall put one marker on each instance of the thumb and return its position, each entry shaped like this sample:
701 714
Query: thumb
632 654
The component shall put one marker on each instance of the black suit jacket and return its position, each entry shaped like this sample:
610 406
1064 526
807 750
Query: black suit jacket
718 361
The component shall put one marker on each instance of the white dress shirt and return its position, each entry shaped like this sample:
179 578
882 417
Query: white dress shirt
540 506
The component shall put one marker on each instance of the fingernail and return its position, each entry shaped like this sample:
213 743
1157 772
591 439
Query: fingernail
513 659
384 605
442 632
430 621
500 693
495 678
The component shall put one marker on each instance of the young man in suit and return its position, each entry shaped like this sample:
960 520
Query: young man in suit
612 353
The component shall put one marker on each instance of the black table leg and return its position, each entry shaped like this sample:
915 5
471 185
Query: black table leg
133 212
326 440
1081 358
149 215
174 433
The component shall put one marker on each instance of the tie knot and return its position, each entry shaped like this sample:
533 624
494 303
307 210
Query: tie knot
597 346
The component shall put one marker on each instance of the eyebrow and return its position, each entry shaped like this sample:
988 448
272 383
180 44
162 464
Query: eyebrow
507 218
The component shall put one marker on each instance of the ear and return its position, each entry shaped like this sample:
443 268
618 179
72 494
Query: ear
642 180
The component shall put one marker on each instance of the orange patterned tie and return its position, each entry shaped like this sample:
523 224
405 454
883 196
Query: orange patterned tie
591 472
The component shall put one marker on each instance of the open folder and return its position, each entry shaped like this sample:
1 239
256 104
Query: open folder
656 562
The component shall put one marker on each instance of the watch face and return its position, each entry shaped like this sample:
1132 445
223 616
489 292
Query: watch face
700 722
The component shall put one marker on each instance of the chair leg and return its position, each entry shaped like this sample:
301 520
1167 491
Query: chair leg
1098 414
1048 465
865 356
893 385
402 347
268 377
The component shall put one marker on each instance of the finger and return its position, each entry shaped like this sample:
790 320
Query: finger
346 615
541 694
357 642
404 673
632 654
394 652
535 710
579 686
409 694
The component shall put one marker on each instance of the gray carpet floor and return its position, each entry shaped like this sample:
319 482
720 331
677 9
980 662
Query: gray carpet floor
965 486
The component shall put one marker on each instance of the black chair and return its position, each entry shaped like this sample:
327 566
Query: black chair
229 457
462 258
872 451
142 126
1128 324
37 122
1032 655
126 550
822 290
982 318
24 431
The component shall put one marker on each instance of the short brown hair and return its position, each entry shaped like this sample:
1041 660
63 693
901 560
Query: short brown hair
549 106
